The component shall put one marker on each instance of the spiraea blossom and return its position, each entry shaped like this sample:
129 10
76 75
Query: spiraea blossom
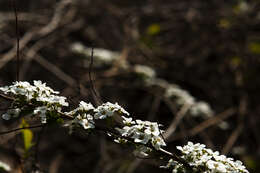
37 92
204 160
41 111
108 110
85 120
41 97
83 115
82 108
44 102
11 113
86 114
143 132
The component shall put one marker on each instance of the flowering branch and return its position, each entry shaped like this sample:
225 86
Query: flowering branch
41 101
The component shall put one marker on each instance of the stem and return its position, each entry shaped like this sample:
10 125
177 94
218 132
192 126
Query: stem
22 128
161 151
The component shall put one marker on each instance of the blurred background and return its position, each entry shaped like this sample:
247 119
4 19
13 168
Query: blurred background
192 66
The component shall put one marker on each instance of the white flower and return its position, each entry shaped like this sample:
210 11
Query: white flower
53 100
143 132
19 88
82 108
86 106
158 142
215 166
142 151
39 91
103 112
142 138
120 141
5 166
25 93
108 109
6 116
14 112
85 120
41 111
128 121
43 89
201 158
5 89
11 113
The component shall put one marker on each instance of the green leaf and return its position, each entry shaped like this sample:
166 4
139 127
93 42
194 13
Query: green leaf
224 23
254 47
250 162
235 61
153 29
27 135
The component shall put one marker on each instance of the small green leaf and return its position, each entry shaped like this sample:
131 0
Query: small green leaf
235 61
153 29
250 162
254 47
27 135
224 23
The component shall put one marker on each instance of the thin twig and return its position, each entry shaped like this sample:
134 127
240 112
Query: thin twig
94 92
205 124
236 133
17 40
162 152
7 97
21 128
47 29
171 129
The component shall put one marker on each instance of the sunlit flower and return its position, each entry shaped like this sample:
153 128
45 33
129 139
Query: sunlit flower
142 132
108 109
201 158
85 120
41 111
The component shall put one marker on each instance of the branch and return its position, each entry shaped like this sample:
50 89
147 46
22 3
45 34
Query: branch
21 128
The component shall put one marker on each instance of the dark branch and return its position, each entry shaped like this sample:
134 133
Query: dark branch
93 90
17 40
22 128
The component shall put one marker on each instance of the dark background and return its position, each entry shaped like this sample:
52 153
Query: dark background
209 48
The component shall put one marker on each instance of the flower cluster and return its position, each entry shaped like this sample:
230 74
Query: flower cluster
45 102
102 56
38 92
108 109
206 161
182 96
41 97
86 113
196 108
143 132
148 75
146 135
